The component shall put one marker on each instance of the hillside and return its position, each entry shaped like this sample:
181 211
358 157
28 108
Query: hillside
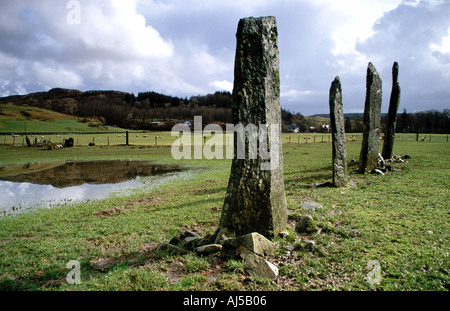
10 112
127 110
15 119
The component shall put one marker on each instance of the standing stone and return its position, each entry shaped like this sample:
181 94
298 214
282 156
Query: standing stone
372 122
394 102
255 200
338 134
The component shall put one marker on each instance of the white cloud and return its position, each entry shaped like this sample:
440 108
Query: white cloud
441 53
111 46
295 95
352 21
444 46
114 29
223 85
133 35
52 75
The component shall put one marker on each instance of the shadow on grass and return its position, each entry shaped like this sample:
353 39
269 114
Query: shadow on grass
50 279
305 178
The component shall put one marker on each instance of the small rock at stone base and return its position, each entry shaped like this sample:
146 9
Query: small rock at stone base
208 239
310 244
209 249
189 241
380 162
323 185
303 224
283 234
171 249
312 206
377 171
254 242
187 233
257 266
184 234
175 241
223 235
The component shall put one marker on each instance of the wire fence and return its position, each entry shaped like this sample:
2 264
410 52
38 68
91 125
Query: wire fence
306 138
153 138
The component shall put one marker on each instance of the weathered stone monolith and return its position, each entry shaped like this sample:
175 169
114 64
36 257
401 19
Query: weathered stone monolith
338 133
255 200
394 102
372 122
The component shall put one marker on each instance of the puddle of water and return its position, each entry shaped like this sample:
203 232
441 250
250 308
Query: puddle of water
73 173
77 182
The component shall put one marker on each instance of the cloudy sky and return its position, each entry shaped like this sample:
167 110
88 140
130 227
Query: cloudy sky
186 47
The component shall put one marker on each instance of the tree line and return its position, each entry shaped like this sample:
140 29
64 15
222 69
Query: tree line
431 121
140 112
129 111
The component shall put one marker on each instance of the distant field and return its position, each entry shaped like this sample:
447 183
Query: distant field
21 119
151 138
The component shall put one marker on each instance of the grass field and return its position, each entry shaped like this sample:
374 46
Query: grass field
55 127
25 119
401 220
148 138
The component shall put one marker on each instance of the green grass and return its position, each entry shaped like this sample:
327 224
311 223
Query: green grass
400 219
55 126
11 112
21 119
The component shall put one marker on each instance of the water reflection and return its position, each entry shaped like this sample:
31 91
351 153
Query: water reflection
19 197
75 173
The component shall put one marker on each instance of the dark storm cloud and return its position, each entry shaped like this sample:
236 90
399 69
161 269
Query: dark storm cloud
407 35
186 47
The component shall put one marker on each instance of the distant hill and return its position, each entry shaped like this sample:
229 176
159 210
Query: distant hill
18 119
126 110
13 112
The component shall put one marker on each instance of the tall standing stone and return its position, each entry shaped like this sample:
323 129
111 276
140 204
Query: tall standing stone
338 134
255 200
371 122
394 102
